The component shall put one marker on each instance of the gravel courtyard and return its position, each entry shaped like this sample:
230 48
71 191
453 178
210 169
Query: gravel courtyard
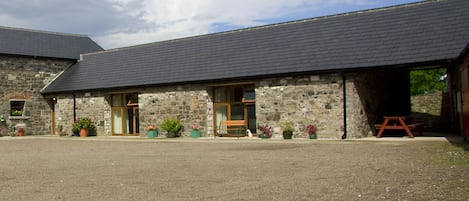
53 168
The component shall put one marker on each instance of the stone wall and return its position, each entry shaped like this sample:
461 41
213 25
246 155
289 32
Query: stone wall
309 99
427 110
94 105
357 119
316 99
22 78
191 104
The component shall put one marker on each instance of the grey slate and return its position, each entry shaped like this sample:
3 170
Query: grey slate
35 43
411 34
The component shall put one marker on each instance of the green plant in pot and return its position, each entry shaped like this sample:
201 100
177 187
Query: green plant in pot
75 129
287 128
152 131
311 130
172 126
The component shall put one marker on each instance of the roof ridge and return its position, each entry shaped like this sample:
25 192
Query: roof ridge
269 25
45 32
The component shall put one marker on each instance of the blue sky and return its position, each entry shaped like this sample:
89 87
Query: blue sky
119 23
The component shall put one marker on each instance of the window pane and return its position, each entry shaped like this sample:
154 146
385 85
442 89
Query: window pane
237 94
117 121
221 114
116 100
249 95
237 112
17 108
251 109
220 95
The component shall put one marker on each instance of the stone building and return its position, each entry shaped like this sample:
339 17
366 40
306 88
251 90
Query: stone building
342 73
29 60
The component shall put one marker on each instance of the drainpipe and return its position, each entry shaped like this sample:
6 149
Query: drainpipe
344 91
74 108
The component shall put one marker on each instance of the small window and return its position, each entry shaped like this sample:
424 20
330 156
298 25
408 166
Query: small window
249 96
17 107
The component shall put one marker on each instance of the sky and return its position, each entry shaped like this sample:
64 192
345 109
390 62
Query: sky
120 23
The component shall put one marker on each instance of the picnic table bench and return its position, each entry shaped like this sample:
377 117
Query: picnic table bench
406 123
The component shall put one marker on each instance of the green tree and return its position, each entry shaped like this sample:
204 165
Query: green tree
427 81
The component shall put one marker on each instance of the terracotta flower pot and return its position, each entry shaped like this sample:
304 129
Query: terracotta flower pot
84 132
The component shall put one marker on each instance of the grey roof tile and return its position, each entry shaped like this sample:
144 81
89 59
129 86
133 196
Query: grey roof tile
35 43
415 33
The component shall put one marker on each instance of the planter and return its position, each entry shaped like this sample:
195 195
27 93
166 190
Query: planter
313 136
75 133
263 136
195 134
152 134
287 134
84 132
20 133
171 134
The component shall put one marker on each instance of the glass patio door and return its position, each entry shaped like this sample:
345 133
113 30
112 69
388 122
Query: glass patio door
124 109
234 103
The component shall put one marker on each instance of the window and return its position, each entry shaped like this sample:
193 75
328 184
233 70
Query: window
125 117
17 107
235 102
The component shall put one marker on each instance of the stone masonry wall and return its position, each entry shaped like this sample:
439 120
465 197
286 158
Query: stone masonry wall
357 119
427 109
316 99
92 105
190 104
23 78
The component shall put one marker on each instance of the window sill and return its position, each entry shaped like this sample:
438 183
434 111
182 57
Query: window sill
18 117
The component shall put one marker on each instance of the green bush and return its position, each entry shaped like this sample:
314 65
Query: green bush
171 125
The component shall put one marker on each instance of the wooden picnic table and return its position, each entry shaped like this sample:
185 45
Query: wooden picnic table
406 123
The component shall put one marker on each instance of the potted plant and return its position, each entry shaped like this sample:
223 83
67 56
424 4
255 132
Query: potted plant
75 129
266 131
311 130
152 131
21 131
195 133
172 126
85 125
61 130
16 113
287 128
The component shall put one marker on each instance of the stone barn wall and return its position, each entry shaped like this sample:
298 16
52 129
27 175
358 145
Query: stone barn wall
22 78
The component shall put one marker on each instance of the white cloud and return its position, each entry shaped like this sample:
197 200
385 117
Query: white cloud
169 19
118 23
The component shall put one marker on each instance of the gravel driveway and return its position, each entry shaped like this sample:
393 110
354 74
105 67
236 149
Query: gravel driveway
155 169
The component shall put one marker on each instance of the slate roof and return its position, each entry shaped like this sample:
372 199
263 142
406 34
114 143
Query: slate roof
35 43
411 34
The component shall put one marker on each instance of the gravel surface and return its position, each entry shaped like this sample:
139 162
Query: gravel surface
156 169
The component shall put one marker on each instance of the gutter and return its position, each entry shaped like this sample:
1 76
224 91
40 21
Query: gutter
74 107
344 93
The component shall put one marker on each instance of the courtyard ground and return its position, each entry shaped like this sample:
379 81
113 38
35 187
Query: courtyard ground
65 168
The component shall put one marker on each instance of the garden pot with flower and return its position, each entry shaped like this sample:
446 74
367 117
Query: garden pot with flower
287 128
266 131
20 131
172 126
195 133
311 130
84 125
152 131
